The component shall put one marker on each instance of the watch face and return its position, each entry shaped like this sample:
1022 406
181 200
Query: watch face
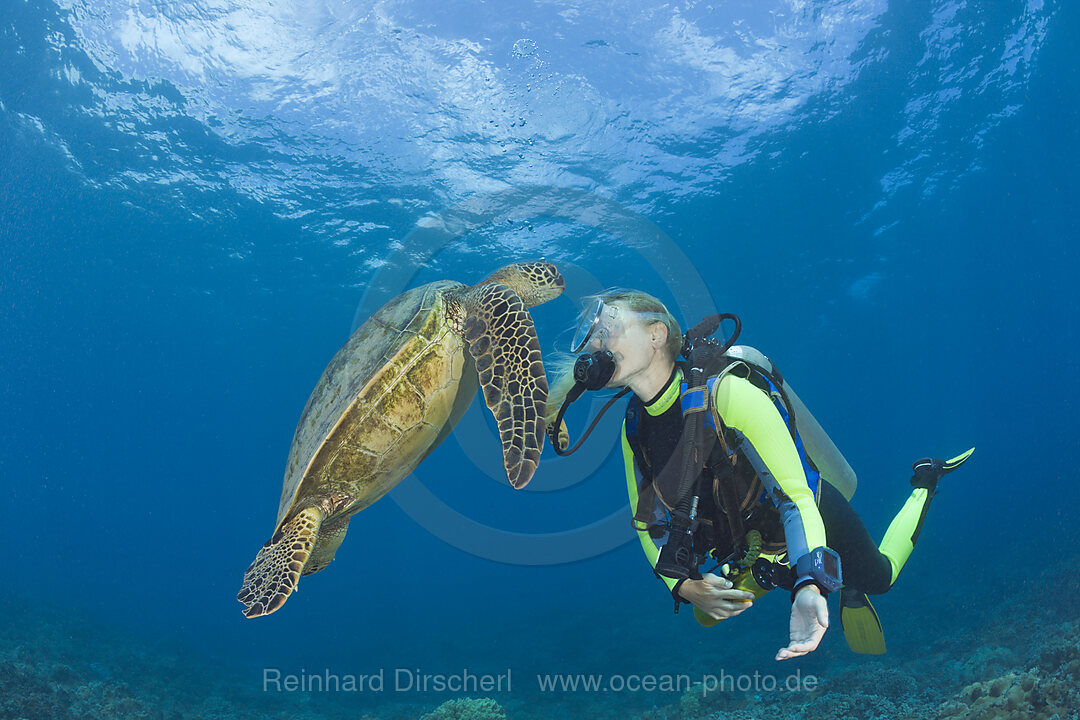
831 564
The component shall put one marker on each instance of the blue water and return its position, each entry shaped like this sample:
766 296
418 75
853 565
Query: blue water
199 201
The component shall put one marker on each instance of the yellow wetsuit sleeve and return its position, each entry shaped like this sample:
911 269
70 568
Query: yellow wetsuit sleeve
766 441
652 552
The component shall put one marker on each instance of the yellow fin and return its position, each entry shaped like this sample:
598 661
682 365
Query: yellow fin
862 627
957 461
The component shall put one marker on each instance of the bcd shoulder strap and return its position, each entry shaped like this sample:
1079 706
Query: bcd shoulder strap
702 427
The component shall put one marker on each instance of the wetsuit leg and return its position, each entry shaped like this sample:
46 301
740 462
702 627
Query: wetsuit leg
863 565
904 530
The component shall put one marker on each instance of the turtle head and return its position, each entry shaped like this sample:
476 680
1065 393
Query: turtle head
534 282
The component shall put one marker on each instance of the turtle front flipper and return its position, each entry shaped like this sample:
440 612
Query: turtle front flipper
273 576
503 342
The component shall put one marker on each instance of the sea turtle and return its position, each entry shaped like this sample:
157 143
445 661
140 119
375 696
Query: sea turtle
390 396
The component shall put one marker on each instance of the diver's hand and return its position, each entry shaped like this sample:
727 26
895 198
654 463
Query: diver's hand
714 596
809 620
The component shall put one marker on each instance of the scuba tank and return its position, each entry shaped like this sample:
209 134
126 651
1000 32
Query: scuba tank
820 449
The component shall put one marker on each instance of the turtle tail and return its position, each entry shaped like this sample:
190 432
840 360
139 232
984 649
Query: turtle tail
273 576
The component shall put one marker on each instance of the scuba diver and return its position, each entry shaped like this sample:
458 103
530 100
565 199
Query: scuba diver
726 466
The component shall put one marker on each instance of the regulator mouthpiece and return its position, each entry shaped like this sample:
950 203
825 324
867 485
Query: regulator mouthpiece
594 370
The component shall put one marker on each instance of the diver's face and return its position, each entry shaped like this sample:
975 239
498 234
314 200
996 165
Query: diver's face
631 341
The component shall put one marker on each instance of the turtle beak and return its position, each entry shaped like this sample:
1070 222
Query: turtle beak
545 283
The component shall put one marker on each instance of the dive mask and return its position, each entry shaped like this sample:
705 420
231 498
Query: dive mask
598 324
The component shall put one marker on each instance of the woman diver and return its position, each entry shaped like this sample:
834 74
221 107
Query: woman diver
717 470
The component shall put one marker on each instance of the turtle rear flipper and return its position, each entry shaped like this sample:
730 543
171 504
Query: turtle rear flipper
273 576
503 342
560 438
330 536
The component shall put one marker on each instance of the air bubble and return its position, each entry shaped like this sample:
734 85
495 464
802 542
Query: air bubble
524 48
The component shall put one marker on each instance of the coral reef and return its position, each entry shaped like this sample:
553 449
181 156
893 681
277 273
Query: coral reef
1015 696
992 662
1048 689
467 709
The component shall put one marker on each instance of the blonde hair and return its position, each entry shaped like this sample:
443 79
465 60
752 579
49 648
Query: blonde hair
649 310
